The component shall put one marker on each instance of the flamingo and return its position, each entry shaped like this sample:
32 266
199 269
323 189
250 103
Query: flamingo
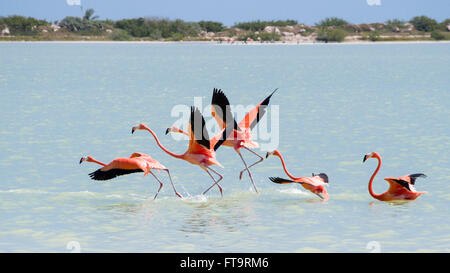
401 188
137 162
315 184
201 150
241 137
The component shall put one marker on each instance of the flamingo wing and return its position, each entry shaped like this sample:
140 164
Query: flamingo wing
220 109
280 180
199 138
252 118
405 182
399 184
111 173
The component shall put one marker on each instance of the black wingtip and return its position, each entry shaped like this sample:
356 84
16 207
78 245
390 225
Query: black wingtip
273 92
280 180
418 175
219 98
414 176
266 101
197 123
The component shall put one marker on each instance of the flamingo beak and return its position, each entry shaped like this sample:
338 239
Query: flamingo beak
167 130
267 155
81 160
132 130
365 158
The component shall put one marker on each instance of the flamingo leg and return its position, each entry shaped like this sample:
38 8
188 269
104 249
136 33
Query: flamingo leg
257 162
215 182
246 168
173 186
160 185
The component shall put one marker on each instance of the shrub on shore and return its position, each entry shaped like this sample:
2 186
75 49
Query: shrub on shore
260 25
437 35
332 22
158 28
263 36
120 35
331 35
20 25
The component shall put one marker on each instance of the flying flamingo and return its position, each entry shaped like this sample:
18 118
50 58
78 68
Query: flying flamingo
241 137
137 162
401 188
315 184
201 150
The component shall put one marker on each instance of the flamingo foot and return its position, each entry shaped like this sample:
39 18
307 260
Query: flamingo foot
179 195
221 191
240 175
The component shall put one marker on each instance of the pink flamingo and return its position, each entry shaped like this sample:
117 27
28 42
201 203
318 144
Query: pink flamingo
201 150
137 162
315 184
241 135
400 188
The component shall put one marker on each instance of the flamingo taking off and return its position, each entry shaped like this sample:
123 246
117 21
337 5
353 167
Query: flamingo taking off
315 184
241 135
137 162
201 150
400 188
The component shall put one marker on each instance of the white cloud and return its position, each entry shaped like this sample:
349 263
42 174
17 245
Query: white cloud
373 2
73 2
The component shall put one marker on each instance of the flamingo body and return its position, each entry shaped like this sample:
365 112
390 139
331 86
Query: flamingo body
315 183
137 162
201 150
241 135
400 188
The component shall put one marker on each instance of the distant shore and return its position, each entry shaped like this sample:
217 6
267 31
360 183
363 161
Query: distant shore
228 44
160 30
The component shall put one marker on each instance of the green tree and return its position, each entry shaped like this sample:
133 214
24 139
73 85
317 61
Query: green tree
89 15
332 22
211 26
424 23
443 25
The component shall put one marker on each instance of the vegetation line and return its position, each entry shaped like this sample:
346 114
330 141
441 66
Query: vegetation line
91 28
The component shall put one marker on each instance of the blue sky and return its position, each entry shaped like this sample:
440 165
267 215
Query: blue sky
232 11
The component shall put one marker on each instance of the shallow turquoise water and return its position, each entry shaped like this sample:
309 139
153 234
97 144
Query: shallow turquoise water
61 101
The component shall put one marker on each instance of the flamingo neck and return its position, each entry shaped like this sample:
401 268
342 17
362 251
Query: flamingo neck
162 147
96 161
284 167
374 195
